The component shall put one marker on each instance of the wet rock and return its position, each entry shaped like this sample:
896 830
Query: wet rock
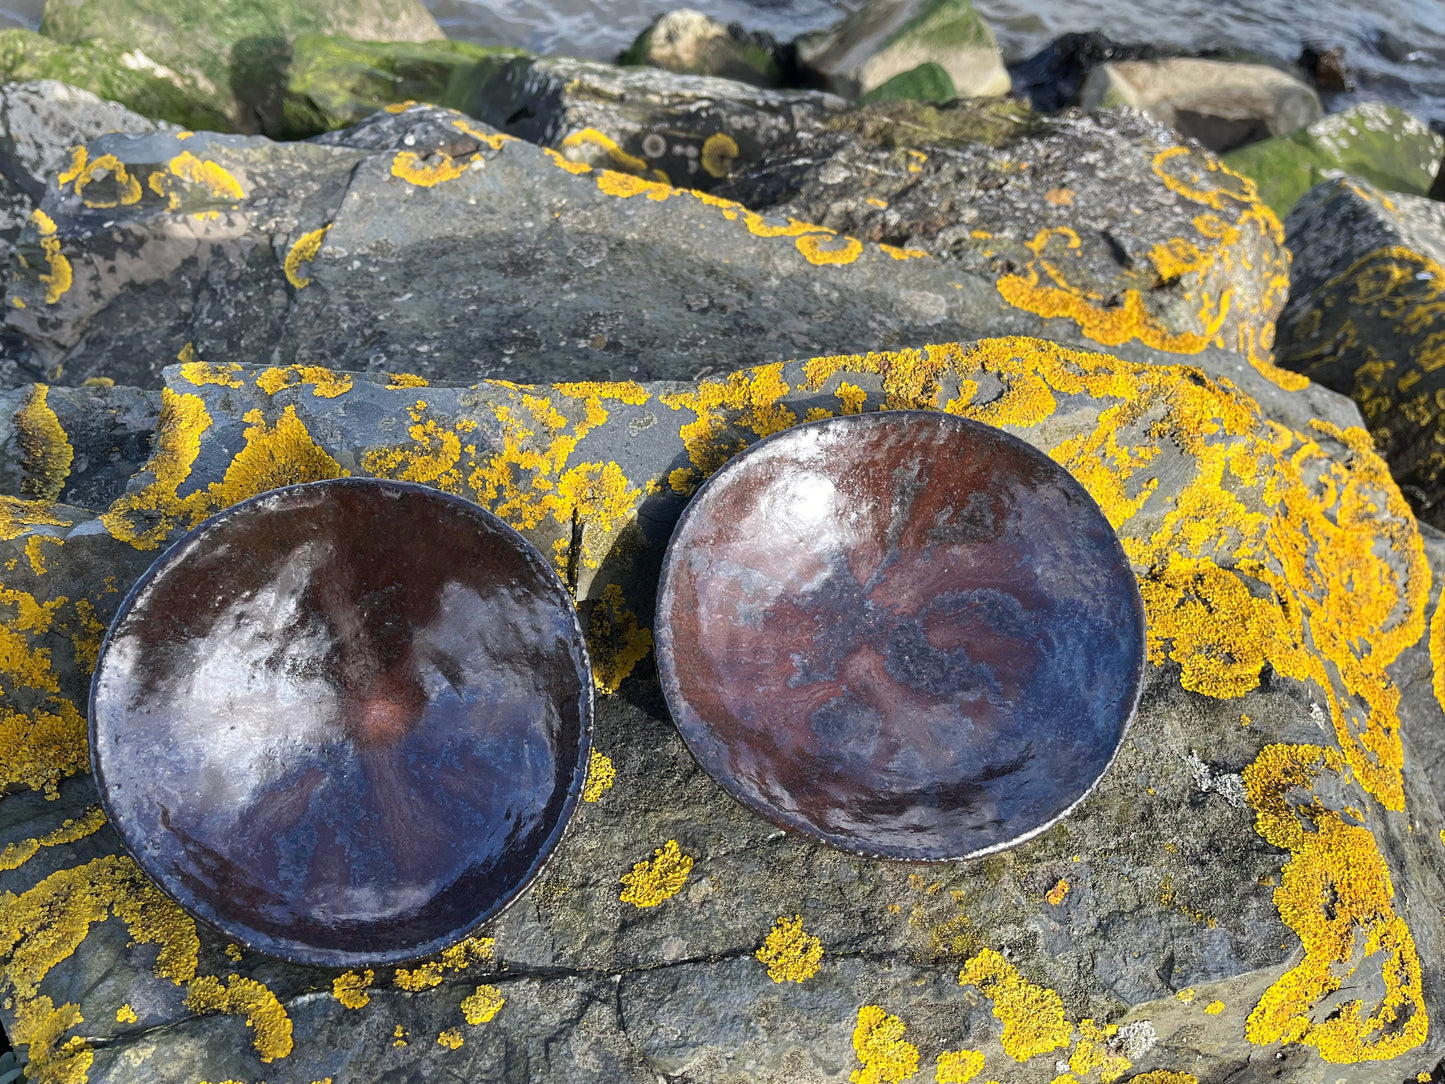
129 76
1366 317
1265 827
1326 68
1223 105
39 122
220 47
884 38
1052 77
1108 219
691 43
690 130
1379 143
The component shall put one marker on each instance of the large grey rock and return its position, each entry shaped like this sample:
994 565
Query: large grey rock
884 38
692 43
1105 219
1380 143
1366 316
1253 893
1223 104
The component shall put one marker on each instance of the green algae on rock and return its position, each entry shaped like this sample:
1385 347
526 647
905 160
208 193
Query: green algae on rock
928 82
1366 316
1254 888
1379 143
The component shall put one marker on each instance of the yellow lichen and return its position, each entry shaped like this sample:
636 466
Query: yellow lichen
325 384
719 151
616 156
349 988
58 279
451 1038
237 996
200 372
481 1005
820 249
397 381
1335 893
458 958
303 251
82 173
650 883
958 1066
16 855
600 777
214 178
1092 1054
1164 1076
1032 1015
753 399
1056 894
851 396
1214 1008
791 954
878 1041
233 951
125 1015
616 640
409 167
399 1036
1185 995
45 447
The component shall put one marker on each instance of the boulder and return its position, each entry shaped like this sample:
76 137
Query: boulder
884 38
1220 103
691 43
227 44
1366 317
1052 77
115 73
926 83
1252 893
1377 142
1107 220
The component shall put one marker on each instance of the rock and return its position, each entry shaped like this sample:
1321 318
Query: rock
1052 77
130 77
1379 143
1437 186
228 44
329 82
691 43
1366 317
1326 68
1222 104
884 38
1108 219
925 83
39 122
1265 831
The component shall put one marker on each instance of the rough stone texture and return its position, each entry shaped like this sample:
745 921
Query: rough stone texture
1379 143
1253 893
691 130
1366 316
214 47
116 74
692 43
1224 105
884 38
1107 219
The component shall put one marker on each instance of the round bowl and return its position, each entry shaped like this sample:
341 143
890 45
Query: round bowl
344 722
905 634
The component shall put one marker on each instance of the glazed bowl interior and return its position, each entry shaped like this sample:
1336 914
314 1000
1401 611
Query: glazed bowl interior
904 634
344 722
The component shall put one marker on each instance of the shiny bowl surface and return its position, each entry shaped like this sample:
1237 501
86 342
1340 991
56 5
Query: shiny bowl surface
905 634
344 722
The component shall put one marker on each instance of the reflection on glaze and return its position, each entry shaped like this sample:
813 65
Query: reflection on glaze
345 721
905 633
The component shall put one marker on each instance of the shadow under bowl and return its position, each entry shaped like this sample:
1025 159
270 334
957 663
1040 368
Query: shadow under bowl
344 722
904 634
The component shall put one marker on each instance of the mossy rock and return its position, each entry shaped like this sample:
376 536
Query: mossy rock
926 83
134 78
1380 143
904 122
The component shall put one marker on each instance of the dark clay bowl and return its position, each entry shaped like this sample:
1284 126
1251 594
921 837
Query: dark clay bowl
344 722
905 634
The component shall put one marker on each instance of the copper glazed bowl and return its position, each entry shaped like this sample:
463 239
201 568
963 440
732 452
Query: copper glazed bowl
344 722
905 634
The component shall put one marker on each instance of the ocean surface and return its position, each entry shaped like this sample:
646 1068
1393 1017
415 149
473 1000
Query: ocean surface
1394 48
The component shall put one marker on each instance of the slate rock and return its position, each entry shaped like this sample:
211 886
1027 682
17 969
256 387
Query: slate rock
1380 143
1222 104
1107 218
692 43
115 73
1366 317
215 48
1252 893
884 38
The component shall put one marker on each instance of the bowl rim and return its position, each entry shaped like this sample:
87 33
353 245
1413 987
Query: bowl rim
663 646
296 951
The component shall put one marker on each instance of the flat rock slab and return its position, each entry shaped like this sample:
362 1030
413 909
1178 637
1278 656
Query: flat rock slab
1366 317
1253 892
